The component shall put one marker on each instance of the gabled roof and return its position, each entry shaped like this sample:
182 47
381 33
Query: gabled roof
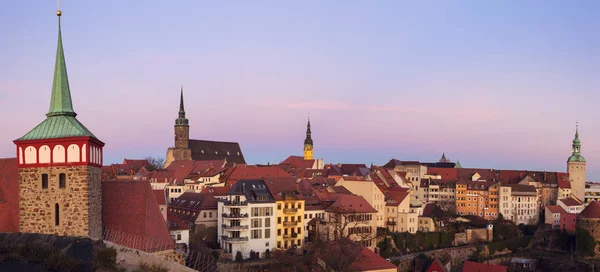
203 150
9 195
283 187
215 191
395 198
129 209
160 196
351 204
591 211
341 190
369 261
299 162
564 184
175 223
431 210
256 191
469 266
555 209
436 266
569 201
257 172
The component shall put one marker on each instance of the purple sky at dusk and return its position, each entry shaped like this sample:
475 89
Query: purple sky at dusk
496 84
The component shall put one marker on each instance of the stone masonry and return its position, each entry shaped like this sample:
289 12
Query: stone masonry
80 202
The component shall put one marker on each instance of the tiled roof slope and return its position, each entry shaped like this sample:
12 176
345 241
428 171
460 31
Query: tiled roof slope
369 261
160 197
591 211
298 162
9 195
555 209
203 150
132 218
351 204
469 266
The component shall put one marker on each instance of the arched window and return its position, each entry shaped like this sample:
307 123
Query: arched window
44 181
62 180
56 215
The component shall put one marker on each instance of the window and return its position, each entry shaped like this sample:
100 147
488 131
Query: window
62 180
299 206
256 234
256 223
267 222
56 215
178 237
278 206
44 181
267 234
278 220
204 215
305 216
278 244
278 232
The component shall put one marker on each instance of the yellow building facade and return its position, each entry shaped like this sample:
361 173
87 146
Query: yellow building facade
290 222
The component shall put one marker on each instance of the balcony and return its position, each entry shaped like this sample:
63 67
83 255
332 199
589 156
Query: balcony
290 223
232 228
234 239
290 236
290 210
235 203
235 215
391 223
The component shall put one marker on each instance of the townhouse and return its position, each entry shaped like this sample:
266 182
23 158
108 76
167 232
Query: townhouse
369 191
519 203
246 219
475 197
290 212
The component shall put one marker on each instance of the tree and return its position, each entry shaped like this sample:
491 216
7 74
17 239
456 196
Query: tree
341 254
344 223
238 257
585 242
155 163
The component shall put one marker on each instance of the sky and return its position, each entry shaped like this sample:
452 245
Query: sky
495 84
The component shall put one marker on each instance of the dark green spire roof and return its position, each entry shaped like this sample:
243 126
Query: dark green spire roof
181 121
60 101
60 120
576 155
308 140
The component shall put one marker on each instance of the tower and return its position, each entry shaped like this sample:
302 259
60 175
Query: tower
576 169
308 143
60 167
182 149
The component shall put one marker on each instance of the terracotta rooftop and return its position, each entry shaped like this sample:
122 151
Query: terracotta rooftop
351 204
160 196
203 150
591 211
215 191
555 209
256 172
564 184
569 201
298 162
9 196
131 213
175 223
469 266
189 205
369 261
395 198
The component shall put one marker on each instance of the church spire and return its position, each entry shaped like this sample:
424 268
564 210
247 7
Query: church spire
60 101
181 121
181 107
576 147
308 140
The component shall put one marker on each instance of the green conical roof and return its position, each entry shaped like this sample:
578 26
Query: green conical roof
60 120
576 155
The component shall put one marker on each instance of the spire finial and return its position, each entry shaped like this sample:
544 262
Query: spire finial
58 12
577 129
181 105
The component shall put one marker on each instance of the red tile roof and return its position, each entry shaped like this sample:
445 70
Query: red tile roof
395 198
569 201
175 223
369 261
564 184
9 195
469 266
431 210
283 186
256 172
591 211
137 163
351 204
298 162
131 216
160 196
446 173
189 205
555 209
436 266
215 191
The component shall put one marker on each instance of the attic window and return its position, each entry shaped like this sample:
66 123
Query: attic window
202 151
216 152
227 152
238 153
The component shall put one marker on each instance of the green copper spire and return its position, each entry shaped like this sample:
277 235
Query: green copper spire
181 121
60 100
576 147
308 140
60 120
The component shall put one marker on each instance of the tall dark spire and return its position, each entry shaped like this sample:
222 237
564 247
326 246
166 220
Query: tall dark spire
60 100
181 107
308 140
181 121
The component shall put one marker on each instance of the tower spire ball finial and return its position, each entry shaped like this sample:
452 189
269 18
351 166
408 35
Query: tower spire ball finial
58 12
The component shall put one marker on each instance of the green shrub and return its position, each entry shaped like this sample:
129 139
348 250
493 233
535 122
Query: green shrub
396 262
105 258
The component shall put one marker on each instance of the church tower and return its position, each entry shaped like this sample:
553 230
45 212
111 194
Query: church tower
576 169
182 149
308 143
60 164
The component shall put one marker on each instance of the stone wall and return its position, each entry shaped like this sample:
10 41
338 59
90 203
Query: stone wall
592 226
457 256
472 236
128 257
79 203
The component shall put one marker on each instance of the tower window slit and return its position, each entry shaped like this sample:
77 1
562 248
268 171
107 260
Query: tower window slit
44 181
56 215
62 180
